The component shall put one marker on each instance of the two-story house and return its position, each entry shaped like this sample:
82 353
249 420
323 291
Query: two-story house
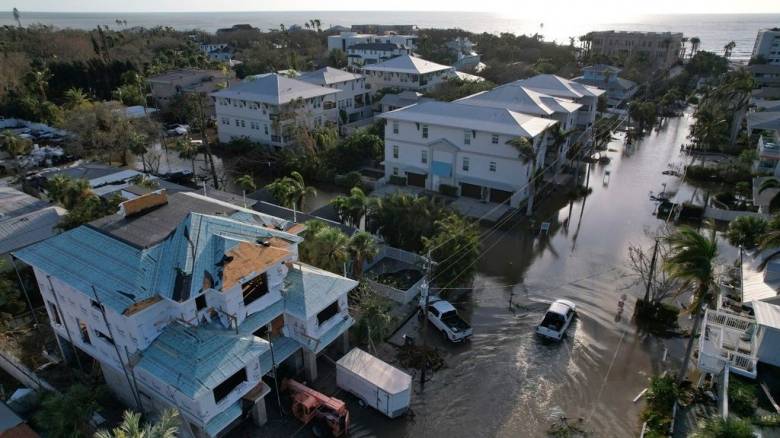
352 100
268 108
344 40
167 86
407 72
557 86
518 98
362 54
464 149
619 90
187 302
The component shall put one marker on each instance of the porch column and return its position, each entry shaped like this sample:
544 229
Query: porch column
259 413
344 342
310 365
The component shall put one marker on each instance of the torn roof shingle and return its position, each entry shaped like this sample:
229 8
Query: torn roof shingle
195 360
309 290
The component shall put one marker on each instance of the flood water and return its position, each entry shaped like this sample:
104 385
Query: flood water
507 382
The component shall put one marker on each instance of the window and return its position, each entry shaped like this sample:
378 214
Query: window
238 122
84 330
494 139
467 137
395 151
200 302
492 166
395 171
55 314
265 129
225 388
465 164
395 127
262 332
424 157
328 313
255 288
424 131
104 337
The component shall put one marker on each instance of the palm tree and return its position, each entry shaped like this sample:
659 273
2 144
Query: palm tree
130 427
39 79
728 48
17 17
187 151
56 187
145 181
324 246
527 153
291 191
692 264
352 208
14 144
695 41
137 144
745 231
75 98
362 248
247 184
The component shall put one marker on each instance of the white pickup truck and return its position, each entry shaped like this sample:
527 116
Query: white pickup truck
444 317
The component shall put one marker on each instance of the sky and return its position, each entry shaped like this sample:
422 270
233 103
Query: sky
512 8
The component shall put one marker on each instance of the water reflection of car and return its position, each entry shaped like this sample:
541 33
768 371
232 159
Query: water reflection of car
557 319
444 317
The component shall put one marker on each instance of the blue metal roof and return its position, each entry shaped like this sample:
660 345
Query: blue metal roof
284 347
223 419
123 274
195 360
310 290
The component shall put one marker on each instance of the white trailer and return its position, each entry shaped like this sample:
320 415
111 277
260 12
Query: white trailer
380 385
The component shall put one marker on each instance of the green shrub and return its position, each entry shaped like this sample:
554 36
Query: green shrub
397 180
448 190
656 317
351 179
661 396
743 397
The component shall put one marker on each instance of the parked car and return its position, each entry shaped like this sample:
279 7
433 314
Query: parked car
557 319
444 317
178 130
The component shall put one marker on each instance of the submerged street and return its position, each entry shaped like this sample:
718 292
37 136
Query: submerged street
506 381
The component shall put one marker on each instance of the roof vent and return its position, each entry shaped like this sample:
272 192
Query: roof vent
143 203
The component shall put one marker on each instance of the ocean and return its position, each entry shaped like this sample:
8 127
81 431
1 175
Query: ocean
714 30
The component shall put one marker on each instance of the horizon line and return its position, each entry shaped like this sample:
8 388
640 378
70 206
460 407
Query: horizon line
353 10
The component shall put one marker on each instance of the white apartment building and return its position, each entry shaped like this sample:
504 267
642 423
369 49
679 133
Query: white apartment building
362 54
352 100
556 86
407 72
466 147
518 98
267 108
768 45
346 39
187 303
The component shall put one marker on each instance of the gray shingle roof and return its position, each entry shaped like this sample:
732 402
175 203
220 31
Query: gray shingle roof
328 76
273 89
407 64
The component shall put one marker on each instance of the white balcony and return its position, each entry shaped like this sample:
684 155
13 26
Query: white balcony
728 339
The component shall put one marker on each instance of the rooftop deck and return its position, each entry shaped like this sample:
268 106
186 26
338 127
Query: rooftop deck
728 339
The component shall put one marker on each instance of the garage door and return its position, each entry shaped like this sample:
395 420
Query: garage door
470 190
415 179
499 196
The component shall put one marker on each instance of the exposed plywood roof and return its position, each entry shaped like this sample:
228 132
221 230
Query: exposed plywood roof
141 305
248 258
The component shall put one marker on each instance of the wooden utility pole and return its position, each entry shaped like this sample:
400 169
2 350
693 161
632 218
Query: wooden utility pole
652 271
426 290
